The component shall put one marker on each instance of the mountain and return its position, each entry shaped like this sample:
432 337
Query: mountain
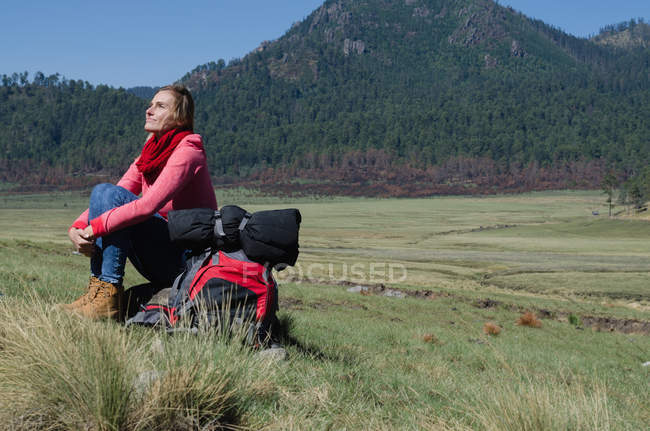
360 90
402 97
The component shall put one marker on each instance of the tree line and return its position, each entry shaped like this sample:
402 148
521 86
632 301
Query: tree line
418 91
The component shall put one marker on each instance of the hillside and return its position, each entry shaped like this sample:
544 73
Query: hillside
411 97
449 91
54 131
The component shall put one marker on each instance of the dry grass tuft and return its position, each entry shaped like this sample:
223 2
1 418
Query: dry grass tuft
430 338
529 319
491 328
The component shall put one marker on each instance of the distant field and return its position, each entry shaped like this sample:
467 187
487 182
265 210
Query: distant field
541 244
409 351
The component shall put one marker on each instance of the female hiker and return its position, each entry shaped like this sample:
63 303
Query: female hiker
171 173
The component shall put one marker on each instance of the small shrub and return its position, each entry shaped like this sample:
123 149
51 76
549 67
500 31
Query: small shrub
574 320
491 328
529 319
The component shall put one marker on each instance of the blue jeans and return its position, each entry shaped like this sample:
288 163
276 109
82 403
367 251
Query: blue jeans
146 244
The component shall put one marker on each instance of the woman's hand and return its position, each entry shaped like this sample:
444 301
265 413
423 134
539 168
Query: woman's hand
83 240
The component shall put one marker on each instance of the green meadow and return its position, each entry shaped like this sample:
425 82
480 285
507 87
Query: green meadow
384 321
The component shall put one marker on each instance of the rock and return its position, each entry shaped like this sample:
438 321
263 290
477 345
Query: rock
357 289
422 12
329 35
357 46
490 63
275 353
516 50
394 293
350 46
265 44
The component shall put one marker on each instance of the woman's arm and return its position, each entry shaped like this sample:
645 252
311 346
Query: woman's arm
179 170
131 180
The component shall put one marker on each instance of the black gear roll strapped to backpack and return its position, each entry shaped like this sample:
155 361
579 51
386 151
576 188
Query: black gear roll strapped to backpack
265 236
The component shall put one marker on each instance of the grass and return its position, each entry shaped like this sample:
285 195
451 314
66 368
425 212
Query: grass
61 373
372 353
357 360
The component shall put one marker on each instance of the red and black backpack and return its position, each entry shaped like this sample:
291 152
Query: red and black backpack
219 287
221 284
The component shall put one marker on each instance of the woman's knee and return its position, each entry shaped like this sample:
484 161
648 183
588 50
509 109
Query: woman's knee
103 190
106 196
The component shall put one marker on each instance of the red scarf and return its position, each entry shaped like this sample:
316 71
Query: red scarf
156 152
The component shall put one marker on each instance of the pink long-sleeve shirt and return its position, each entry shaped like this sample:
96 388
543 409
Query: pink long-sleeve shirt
183 183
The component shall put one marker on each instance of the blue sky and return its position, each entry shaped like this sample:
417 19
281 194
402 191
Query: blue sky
142 42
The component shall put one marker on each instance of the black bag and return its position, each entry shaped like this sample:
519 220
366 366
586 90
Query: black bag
265 236
272 236
201 228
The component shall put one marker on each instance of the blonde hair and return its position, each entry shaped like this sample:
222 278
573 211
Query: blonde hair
183 112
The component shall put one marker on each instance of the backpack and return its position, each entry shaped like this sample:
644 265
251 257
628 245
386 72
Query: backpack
267 237
228 276
222 288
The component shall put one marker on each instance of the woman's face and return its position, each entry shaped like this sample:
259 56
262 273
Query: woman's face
159 115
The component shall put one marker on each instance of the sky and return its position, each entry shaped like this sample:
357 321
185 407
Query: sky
152 43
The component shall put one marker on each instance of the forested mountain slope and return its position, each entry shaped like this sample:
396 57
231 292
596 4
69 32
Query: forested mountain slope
55 131
401 97
422 83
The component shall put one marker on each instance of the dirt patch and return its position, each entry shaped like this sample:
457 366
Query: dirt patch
37 249
610 324
478 229
486 303
299 304
626 326
463 231
291 303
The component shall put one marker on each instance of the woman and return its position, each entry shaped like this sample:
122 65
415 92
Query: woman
171 173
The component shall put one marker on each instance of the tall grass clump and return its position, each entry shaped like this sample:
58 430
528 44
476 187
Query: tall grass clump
58 372
62 372
207 381
536 403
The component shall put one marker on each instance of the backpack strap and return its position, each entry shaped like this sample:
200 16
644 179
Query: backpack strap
218 225
179 302
266 275
244 220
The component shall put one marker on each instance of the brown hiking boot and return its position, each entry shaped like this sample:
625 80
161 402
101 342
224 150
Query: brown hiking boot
106 303
84 299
